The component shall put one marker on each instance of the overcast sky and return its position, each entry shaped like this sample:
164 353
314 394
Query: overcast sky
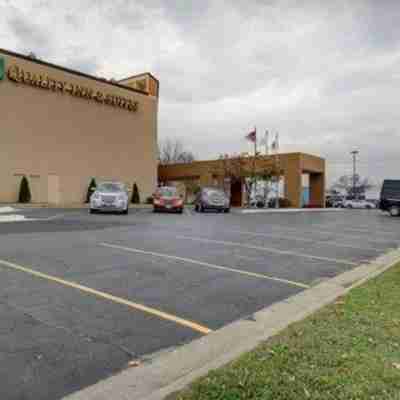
324 74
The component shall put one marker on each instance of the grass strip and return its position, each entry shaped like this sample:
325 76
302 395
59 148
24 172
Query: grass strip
348 350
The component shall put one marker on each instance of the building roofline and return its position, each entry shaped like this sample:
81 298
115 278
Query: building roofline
139 75
295 153
72 71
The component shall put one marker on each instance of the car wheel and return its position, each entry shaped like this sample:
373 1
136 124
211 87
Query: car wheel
368 207
349 206
91 211
126 212
394 211
227 210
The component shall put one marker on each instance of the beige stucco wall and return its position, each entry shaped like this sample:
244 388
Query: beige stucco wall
55 137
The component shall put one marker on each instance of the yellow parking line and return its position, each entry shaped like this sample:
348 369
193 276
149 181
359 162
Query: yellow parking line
149 310
205 264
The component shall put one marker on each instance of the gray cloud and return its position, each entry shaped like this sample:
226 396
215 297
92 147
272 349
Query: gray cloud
30 36
324 74
88 65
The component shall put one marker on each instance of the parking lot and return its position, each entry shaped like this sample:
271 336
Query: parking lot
83 295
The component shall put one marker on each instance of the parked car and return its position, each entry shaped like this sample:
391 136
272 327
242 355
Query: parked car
339 203
374 201
209 198
358 203
334 201
390 197
329 201
167 198
110 196
258 201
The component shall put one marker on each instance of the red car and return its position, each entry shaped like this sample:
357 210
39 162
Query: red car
167 198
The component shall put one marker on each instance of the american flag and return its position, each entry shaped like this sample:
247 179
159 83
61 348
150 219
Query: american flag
252 136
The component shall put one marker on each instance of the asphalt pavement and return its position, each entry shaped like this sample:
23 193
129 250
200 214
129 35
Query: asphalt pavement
82 296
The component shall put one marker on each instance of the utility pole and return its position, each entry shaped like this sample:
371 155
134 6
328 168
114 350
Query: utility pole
254 185
275 145
354 153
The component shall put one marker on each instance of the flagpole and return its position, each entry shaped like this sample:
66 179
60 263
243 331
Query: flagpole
255 142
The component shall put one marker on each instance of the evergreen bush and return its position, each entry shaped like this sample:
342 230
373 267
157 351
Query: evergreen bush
24 191
135 194
92 187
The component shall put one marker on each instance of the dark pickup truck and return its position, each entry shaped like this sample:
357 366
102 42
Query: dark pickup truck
390 197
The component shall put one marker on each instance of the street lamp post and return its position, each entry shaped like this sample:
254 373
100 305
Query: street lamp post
354 153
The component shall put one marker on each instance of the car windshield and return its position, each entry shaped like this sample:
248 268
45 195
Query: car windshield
214 192
110 187
168 192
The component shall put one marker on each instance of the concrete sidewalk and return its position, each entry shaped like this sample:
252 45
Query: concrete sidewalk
172 371
7 209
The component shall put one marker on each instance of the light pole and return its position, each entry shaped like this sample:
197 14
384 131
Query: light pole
354 153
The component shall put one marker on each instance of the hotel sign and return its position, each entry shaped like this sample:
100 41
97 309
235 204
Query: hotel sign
21 76
2 68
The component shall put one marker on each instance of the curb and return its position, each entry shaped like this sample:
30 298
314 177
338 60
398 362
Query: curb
173 371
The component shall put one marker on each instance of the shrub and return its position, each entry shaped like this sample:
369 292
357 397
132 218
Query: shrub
196 189
91 189
283 203
24 191
135 194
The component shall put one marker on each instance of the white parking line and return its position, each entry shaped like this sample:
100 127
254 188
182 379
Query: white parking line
369 227
371 230
300 239
51 217
269 250
323 232
205 264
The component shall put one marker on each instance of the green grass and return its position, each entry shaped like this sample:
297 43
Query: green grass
348 350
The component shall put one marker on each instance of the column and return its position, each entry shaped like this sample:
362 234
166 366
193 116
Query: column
293 183
317 189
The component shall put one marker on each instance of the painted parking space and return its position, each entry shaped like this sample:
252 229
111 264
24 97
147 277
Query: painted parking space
152 280
136 285
277 264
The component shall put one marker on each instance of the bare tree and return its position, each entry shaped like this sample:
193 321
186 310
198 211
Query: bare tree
172 151
355 188
246 169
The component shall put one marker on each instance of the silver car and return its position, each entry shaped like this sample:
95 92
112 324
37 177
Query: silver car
110 196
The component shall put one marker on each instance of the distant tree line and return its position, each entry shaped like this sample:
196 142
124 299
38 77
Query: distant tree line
172 151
